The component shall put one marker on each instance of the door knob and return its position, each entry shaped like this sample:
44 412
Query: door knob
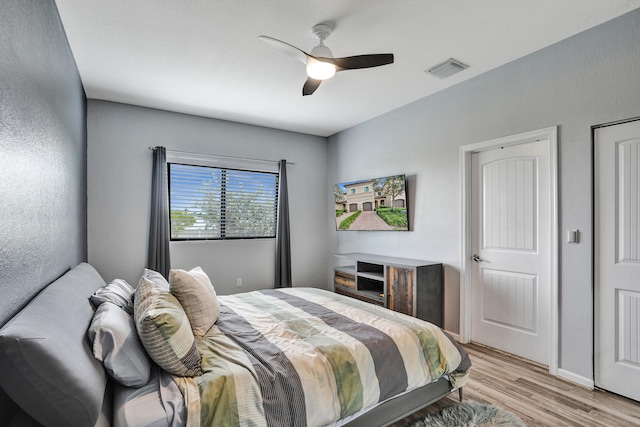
477 258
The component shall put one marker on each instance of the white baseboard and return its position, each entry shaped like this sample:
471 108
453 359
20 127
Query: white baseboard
575 378
561 373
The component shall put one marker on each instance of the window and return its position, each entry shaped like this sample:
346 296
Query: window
366 189
353 191
209 203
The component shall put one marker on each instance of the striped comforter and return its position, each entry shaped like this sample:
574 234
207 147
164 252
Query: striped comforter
308 357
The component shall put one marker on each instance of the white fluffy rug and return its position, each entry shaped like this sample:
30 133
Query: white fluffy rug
471 414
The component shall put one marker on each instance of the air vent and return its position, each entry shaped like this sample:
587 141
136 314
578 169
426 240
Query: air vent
447 68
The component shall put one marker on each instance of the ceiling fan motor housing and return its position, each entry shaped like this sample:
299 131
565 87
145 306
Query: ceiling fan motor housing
321 51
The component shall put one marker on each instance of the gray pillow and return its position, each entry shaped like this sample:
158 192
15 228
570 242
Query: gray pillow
115 343
118 292
46 365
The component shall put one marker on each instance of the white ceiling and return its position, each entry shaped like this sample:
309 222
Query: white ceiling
203 57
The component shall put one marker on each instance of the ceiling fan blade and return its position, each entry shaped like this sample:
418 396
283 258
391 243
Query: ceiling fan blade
285 48
310 86
360 61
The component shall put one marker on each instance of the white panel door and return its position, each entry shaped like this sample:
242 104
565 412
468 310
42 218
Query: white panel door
510 229
617 259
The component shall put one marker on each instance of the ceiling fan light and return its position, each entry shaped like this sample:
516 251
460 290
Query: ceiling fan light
320 70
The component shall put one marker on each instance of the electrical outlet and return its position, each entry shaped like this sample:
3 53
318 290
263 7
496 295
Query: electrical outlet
239 281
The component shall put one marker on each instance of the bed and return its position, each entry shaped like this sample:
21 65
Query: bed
172 353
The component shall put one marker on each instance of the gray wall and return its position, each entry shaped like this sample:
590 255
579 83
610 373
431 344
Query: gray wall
42 157
42 153
589 79
119 185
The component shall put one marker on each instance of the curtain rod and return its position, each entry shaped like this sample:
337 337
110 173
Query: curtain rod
224 157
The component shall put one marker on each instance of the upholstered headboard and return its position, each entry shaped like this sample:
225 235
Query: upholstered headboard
46 363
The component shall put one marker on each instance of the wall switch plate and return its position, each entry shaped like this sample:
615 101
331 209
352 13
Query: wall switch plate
239 281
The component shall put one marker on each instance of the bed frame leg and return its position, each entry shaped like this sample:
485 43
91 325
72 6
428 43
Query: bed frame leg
460 393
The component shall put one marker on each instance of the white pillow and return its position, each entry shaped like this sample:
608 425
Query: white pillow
197 296
115 343
118 292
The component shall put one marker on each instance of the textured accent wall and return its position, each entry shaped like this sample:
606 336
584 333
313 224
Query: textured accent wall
42 153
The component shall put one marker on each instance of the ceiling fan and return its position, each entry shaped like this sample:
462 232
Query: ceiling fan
320 63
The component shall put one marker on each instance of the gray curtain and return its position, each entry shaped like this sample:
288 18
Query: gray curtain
158 255
283 243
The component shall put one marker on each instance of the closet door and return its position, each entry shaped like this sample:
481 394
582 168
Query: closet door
617 258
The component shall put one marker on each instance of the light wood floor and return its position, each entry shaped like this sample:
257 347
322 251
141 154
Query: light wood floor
527 389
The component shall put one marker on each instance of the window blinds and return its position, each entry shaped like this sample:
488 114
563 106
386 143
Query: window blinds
221 203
